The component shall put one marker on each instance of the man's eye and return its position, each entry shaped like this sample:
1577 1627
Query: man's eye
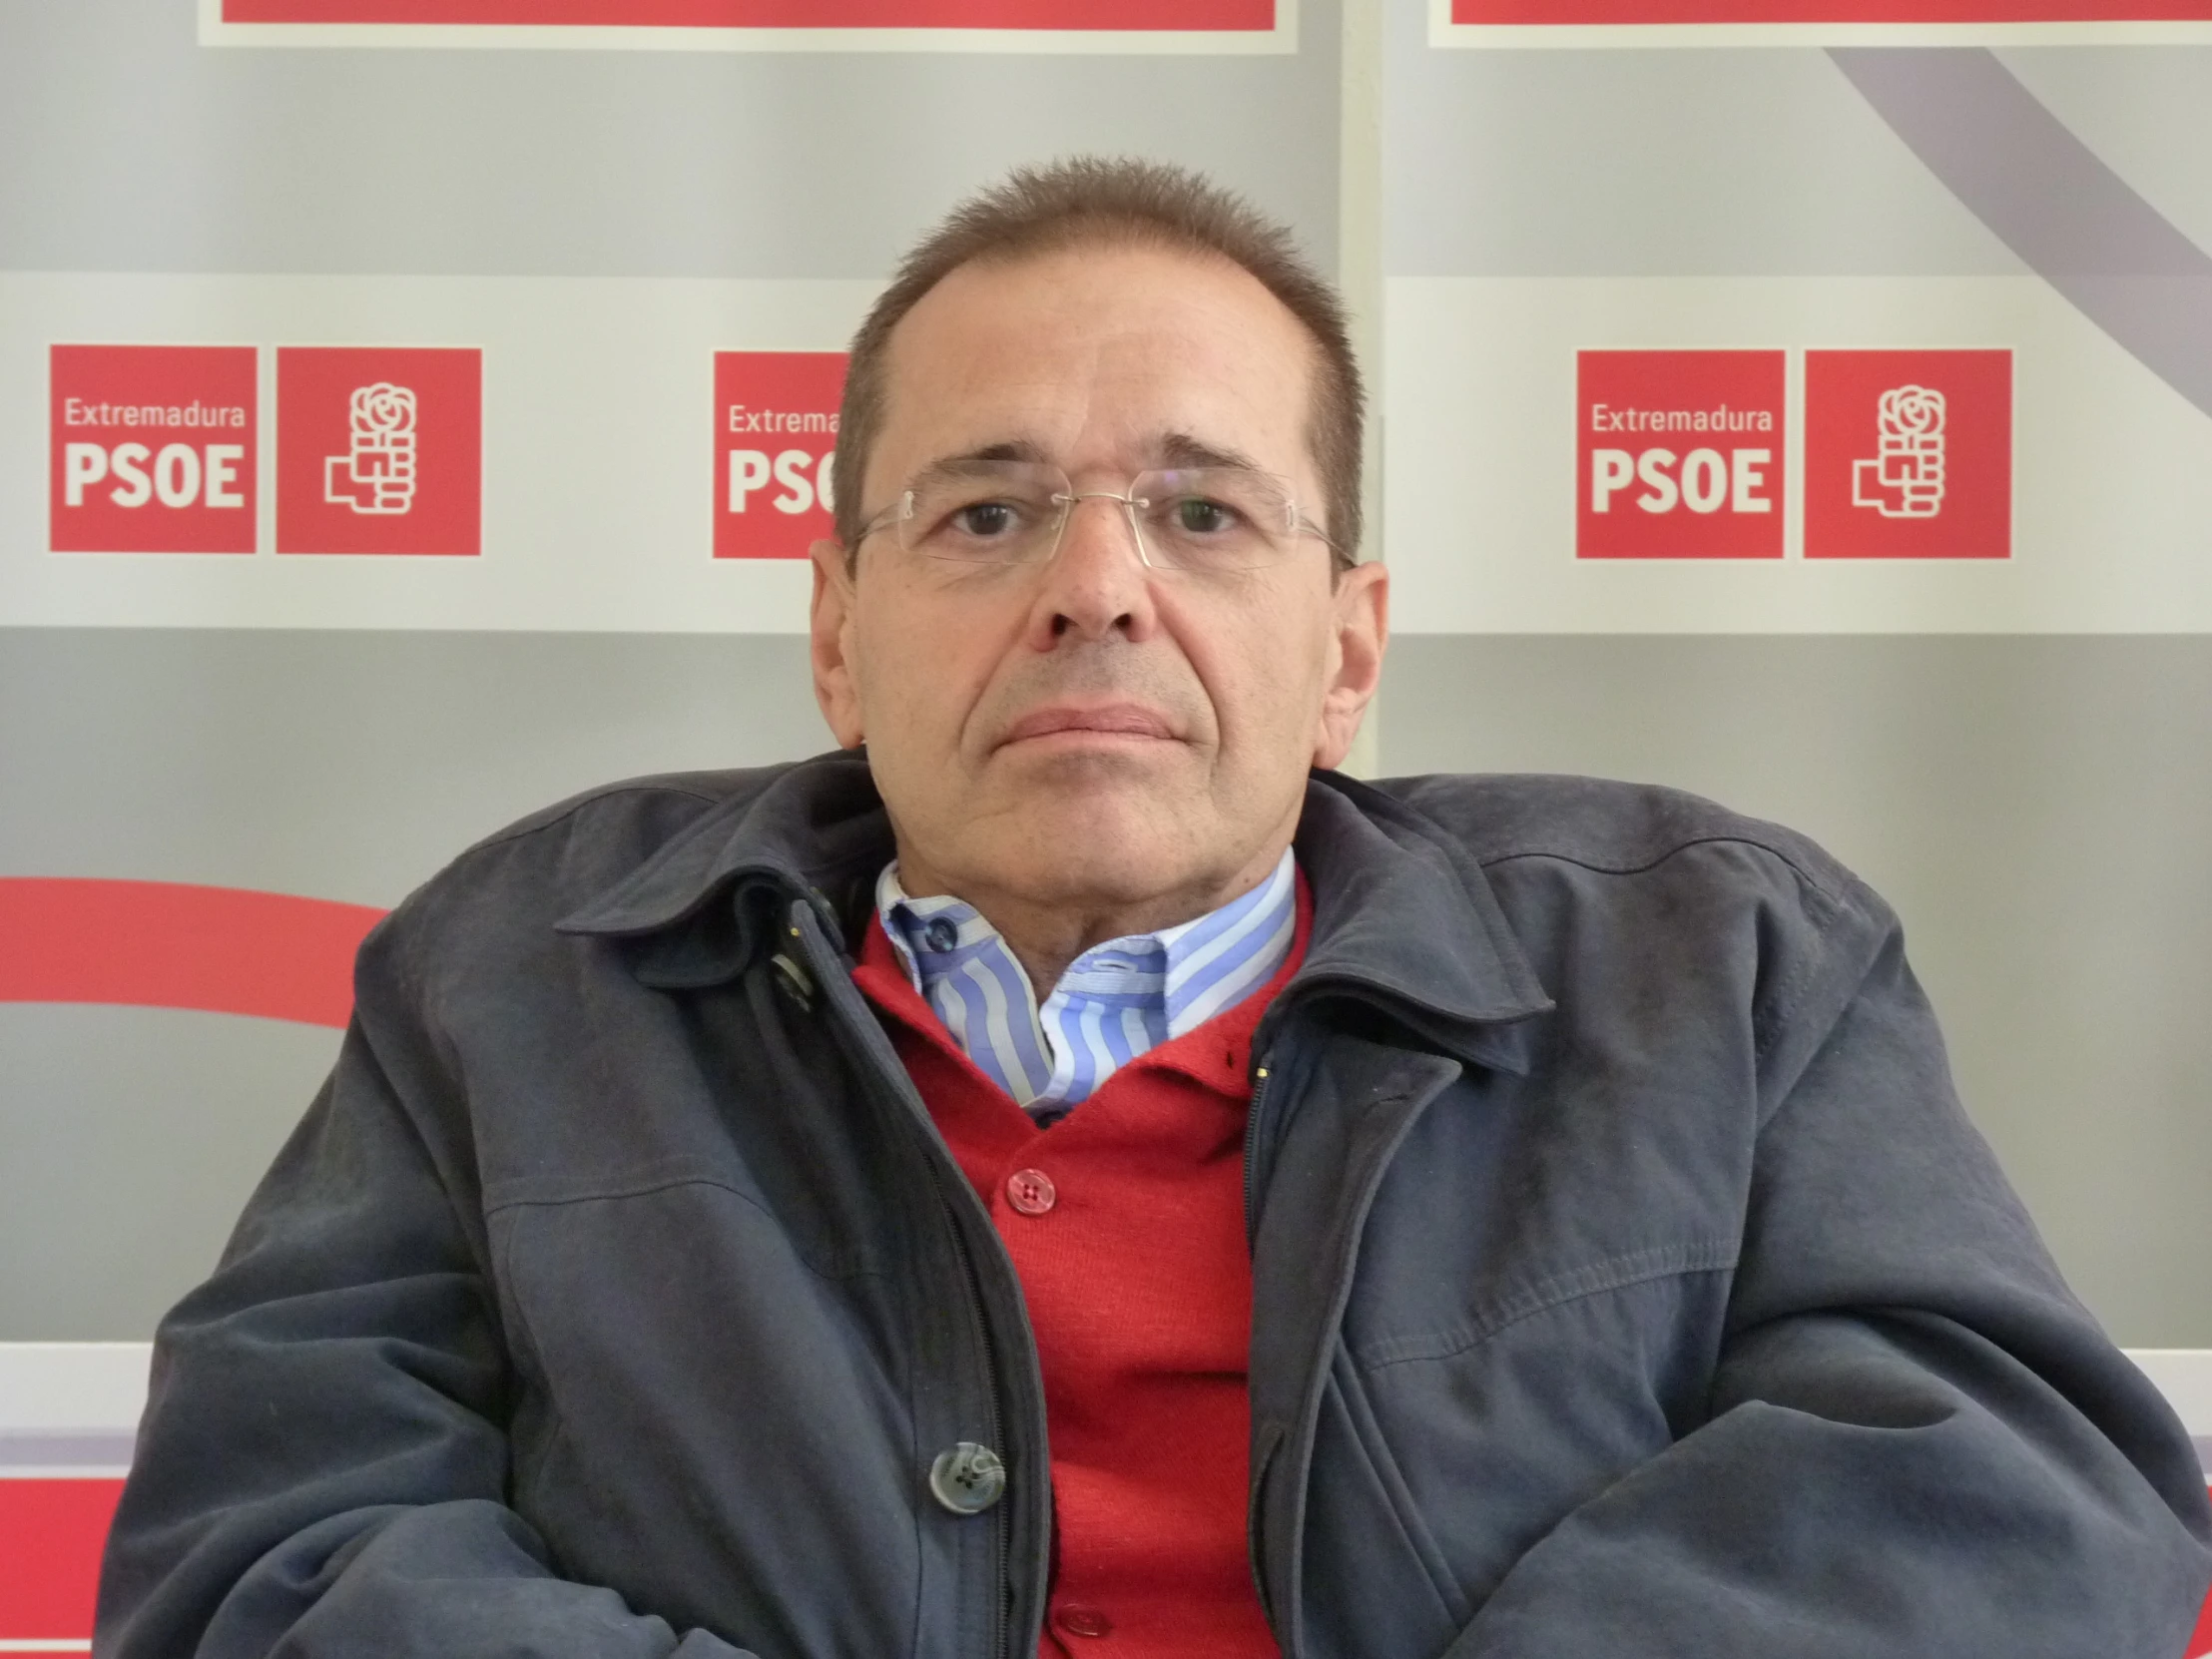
987 519
1201 517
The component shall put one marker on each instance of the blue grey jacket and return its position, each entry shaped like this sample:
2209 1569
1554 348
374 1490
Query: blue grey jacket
1627 1279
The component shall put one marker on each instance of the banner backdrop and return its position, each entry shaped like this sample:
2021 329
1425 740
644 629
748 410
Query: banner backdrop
412 411
1866 340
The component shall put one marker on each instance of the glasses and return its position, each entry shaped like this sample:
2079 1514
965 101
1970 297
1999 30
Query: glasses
1014 512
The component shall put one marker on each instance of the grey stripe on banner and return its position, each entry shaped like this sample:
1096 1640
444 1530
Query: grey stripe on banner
24 1449
2069 218
2204 1455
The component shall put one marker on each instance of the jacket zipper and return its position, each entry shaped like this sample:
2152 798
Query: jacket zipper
889 1075
1271 1041
1262 1076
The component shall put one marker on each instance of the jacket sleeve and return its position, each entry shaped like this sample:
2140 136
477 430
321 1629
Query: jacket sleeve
323 1463
1917 1441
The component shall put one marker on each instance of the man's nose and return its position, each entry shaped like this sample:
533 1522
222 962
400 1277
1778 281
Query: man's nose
1097 581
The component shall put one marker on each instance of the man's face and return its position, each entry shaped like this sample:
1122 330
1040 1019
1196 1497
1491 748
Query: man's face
1087 732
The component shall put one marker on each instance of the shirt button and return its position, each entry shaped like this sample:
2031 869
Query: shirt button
967 1480
1031 1191
940 935
1085 1621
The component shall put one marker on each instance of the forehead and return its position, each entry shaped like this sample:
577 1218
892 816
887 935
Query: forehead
1095 356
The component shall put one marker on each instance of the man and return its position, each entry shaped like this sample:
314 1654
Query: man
1080 1174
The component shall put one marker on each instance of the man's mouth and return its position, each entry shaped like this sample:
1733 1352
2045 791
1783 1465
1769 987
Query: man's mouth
1077 722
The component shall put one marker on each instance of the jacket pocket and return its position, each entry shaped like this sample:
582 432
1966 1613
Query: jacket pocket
1267 1442
1461 1451
1371 1496
1517 1302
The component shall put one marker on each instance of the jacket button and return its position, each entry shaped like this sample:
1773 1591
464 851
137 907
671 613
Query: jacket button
1084 1621
968 1479
797 984
1031 1191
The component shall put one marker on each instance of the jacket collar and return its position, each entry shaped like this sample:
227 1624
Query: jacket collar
1401 914
700 909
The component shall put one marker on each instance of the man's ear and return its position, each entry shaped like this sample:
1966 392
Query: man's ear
831 617
1362 621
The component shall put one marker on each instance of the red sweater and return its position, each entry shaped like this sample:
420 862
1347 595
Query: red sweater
1132 1256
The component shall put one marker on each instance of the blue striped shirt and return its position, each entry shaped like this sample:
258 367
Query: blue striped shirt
1116 1001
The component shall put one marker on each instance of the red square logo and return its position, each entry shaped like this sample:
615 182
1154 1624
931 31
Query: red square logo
776 432
1908 454
151 448
379 449
1679 455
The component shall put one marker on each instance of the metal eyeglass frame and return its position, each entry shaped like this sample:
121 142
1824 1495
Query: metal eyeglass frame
1066 499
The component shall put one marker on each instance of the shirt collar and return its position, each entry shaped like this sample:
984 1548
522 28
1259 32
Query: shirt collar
1221 1063
1177 968
1114 1003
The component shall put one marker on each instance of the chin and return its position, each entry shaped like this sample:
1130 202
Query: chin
1106 851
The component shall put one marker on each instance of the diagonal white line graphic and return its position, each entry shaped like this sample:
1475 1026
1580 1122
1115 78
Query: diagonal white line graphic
2073 220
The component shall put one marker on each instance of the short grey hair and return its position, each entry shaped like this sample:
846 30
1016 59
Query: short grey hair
1118 202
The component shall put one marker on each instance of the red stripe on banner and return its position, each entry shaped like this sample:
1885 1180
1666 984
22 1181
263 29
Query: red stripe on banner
1623 12
2201 1643
1055 15
162 944
51 1536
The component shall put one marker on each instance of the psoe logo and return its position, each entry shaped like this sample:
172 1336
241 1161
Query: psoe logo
152 448
1908 454
776 447
1679 455
1904 477
377 475
379 449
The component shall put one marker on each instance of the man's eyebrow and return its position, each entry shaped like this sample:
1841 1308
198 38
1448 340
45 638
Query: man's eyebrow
1180 449
964 465
1176 450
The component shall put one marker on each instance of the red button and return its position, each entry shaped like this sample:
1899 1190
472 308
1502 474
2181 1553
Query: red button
1085 1621
1031 1191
